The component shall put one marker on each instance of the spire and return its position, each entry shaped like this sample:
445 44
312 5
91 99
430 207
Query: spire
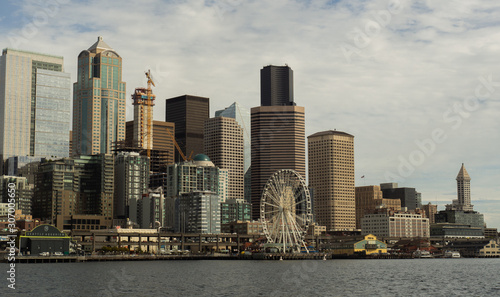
100 44
462 174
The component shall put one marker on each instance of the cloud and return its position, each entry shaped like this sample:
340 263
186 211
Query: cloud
398 88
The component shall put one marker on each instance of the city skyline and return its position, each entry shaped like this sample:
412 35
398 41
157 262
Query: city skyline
404 90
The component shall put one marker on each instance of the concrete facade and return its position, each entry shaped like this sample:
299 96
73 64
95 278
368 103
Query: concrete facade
131 183
223 144
403 225
199 212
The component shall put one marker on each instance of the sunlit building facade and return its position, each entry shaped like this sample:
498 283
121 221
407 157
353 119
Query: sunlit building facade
98 101
35 106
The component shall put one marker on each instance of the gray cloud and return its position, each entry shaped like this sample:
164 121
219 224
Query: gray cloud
391 96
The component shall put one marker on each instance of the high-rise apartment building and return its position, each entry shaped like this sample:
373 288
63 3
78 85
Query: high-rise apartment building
276 86
234 210
98 101
76 193
331 175
151 209
278 142
199 174
188 113
369 199
23 192
223 144
35 104
131 182
199 212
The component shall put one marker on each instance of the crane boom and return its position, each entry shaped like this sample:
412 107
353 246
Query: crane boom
177 146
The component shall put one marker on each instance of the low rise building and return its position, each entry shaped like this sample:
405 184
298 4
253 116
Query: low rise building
450 230
243 227
44 239
490 232
402 225
316 230
367 246
491 249
471 218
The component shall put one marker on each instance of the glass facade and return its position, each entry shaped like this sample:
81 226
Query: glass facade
99 101
34 105
52 114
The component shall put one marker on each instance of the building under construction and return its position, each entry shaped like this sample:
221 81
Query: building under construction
144 100
148 137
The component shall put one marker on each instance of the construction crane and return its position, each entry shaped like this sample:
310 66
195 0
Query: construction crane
144 100
179 148
150 102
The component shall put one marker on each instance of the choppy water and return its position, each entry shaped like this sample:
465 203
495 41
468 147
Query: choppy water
417 277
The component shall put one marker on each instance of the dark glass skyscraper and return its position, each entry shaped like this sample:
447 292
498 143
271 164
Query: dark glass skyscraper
188 113
276 86
277 131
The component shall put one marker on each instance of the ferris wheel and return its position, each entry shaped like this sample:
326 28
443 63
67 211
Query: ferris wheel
285 210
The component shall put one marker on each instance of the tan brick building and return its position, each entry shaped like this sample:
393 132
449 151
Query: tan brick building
331 175
430 211
370 198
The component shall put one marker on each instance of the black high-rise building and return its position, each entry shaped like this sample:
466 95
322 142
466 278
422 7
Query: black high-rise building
188 113
276 86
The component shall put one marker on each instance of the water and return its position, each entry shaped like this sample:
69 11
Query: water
417 277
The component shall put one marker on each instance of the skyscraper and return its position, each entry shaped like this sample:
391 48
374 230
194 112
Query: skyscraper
34 105
331 175
278 142
463 190
276 86
99 101
459 216
242 117
223 144
278 131
188 113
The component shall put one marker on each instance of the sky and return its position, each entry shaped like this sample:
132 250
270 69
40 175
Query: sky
416 82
